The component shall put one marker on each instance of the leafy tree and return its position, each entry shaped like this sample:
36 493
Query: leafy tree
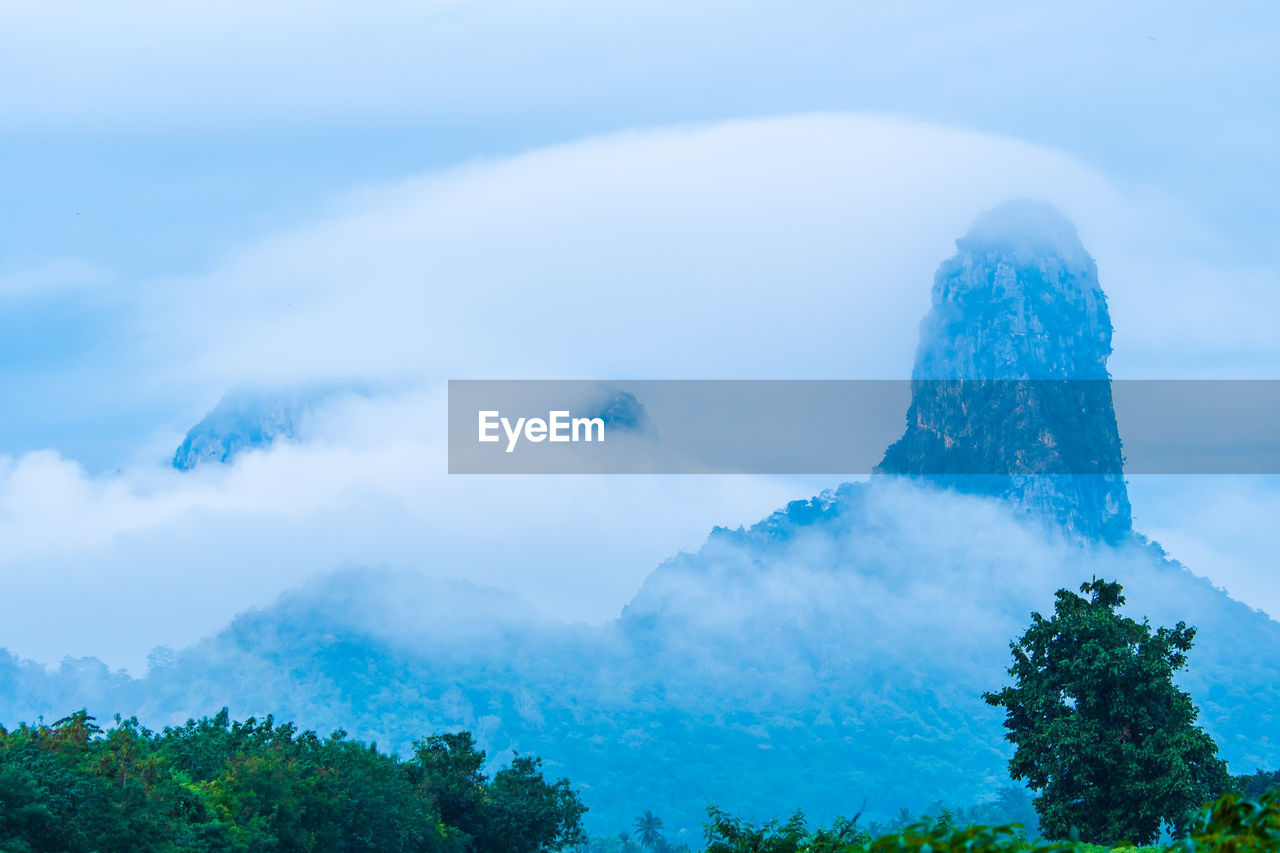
527 814
1011 805
26 819
1254 786
1101 730
1234 823
450 769
218 785
517 812
727 833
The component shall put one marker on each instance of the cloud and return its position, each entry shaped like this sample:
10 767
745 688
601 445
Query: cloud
1171 99
1223 527
792 247
116 563
292 60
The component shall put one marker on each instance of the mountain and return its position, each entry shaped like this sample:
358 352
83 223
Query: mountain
243 420
830 656
255 419
1010 391
621 411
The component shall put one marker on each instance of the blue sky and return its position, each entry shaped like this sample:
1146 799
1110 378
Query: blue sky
145 139
198 196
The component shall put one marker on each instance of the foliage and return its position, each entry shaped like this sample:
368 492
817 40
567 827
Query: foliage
1254 786
1235 823
218 785
1101 729
729 834
843 695
626 842
1231 824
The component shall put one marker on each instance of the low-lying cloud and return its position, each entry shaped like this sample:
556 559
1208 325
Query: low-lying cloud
794 247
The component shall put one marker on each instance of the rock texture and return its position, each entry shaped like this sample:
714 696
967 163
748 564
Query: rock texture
243 420
1011 396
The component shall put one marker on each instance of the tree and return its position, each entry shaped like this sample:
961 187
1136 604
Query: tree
218 785
726 833
1100 729
649 828
518 811
451 770
528 814
1253 786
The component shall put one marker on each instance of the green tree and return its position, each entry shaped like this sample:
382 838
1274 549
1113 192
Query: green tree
1102 732
528 814
726 833
518 811
219 785
26 821
450 769
1253 786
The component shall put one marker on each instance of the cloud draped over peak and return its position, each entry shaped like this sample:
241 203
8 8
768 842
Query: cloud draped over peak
789 247
797 246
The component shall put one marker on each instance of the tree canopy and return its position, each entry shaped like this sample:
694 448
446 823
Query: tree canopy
1100 728
218 785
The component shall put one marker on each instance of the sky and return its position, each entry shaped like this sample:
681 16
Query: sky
204 196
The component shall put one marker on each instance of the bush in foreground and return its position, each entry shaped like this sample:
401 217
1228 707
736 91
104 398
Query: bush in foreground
1231 824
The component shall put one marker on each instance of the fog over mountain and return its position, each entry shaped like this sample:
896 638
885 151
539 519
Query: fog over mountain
832 653
244 420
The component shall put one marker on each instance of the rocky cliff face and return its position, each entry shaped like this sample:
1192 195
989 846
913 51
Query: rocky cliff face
243 420
1011 396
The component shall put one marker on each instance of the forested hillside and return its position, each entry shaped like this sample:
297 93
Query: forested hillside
217 785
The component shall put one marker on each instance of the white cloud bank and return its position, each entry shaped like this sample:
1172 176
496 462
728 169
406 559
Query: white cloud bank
114 564
798 247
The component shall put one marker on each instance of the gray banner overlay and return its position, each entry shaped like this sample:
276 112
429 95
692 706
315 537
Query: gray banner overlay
951 427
